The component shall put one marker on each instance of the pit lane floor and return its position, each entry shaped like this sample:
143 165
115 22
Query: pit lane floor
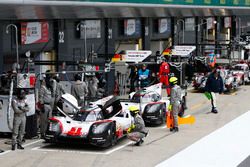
158 146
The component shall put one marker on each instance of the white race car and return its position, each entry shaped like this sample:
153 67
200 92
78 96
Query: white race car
241 73
153 105
199 82
102 123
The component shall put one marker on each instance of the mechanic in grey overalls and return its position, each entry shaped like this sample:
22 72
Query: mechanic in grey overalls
51 84
46 101
137 131
79 90
59 90
20 107
92 86
175 101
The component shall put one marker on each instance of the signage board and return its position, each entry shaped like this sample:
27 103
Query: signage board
26 80
132 27
132 56
183 50
93 29
227 22
129 27
34 32
164 25
210 23
189 24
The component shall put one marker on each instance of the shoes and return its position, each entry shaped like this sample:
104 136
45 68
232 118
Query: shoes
42 136
13 147
214 110
174 129
20 147
139 142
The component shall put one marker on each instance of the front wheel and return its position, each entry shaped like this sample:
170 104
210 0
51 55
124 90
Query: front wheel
182 108
112 136
163 114
243 81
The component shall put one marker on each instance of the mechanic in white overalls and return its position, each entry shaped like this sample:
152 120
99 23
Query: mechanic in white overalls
137 131
20 107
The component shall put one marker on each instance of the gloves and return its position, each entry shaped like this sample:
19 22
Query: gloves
131 128
169 107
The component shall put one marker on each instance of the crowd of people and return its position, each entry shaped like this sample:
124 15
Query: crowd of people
49 95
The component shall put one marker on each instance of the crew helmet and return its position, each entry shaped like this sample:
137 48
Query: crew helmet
173 80
133 109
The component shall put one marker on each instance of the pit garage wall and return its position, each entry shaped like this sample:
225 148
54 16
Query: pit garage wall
71 48
8 44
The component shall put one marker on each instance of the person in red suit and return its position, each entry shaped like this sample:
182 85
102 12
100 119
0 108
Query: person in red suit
163 75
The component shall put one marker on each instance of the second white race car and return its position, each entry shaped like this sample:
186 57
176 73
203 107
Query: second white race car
153 105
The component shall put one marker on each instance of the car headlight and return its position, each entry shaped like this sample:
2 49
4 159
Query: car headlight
152 108
99 128
54 127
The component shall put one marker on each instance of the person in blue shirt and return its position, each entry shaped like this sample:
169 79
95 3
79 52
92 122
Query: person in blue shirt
144 75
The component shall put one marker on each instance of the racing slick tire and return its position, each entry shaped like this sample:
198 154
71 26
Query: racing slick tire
163 113
112 136
182 108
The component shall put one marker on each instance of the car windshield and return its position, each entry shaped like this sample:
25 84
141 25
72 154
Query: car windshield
87 114
146 97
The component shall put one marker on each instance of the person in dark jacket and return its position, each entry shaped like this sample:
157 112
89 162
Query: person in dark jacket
133 77
214 85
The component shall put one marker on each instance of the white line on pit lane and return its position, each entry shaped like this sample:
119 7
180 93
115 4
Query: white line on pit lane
227 146
82 152
160 127
5 152
25 145
34 142
118 148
